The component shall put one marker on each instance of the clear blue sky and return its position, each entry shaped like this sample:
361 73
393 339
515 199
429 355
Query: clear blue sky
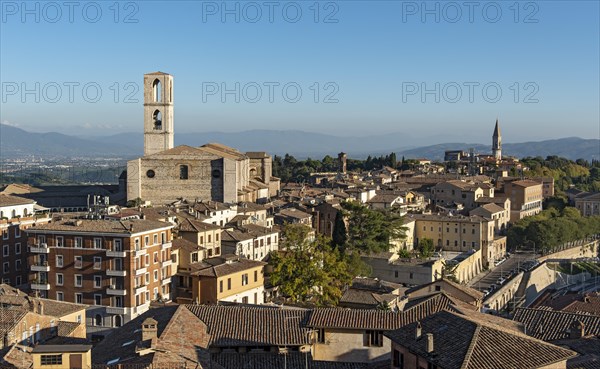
374 54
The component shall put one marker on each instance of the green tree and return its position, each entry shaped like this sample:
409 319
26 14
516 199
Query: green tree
370 231
340 235
309 271
393 162
426 248
137 202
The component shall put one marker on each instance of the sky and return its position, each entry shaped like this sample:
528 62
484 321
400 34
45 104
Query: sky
441 71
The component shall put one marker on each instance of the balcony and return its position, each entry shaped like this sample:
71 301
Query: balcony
166 281
166 263
39 249
115 254
140 289
116 291
140 252
142 308
40 267
116 310
116 273
40 286
165 246
140 271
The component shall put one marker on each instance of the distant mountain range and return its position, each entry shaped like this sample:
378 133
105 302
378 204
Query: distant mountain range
16 142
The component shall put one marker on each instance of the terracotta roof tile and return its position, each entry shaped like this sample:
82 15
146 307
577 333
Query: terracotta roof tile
100 226
474 342
8 200
550 325
253 326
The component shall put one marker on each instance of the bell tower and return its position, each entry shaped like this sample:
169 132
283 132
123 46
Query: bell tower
497 142
158 112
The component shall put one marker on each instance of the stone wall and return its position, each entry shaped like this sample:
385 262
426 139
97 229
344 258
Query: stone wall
587 250
469 267
348 346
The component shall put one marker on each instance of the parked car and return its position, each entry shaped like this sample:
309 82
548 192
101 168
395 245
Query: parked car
501 281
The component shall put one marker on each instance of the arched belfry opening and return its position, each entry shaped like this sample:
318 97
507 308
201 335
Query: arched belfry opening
156 90
158 113
157 119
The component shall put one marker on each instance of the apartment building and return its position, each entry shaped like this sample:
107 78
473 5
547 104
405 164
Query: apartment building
26 320
452 192
115 267
251 241
206 235
460 233
526 198
16 215
228 278
588 204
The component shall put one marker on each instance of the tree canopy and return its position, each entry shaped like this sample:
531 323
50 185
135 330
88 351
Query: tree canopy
309 272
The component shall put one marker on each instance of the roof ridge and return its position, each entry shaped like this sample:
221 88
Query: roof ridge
171 322
472 344
550 310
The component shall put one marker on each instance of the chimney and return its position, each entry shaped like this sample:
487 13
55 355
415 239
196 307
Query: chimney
429 347
149 329
577 330
131 227
418 331
40 308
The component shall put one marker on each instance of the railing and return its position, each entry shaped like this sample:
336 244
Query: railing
40 266
142 308
140 289
116 291
116 272
116 253
116 310
41 248
44 286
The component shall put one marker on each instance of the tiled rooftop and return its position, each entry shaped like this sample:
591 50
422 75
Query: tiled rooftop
9 200
100 226
253 326
550 325
474 341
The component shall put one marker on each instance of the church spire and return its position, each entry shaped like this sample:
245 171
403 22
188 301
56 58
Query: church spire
497 142
497 129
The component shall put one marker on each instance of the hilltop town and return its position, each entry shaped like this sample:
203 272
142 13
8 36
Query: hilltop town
209 257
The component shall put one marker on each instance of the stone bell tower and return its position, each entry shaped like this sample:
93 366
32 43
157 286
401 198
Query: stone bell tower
158 112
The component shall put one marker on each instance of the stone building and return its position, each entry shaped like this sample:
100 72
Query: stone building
210 172
16 215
